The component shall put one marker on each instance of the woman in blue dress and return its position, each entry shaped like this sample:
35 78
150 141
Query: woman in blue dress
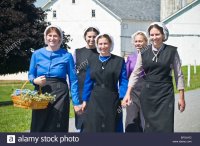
49 67
105 84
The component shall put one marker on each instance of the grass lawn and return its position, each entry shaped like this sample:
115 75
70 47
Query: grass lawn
194 78
6 89
14 119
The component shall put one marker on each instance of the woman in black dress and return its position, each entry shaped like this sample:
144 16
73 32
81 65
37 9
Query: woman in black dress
81 58
105 84
157 95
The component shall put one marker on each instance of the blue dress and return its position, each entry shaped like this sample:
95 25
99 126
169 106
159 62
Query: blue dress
55 66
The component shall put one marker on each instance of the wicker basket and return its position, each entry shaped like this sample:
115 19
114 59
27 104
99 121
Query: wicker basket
32 104
17 102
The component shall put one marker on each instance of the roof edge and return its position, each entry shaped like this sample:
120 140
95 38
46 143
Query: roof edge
108 10
181 11
47 4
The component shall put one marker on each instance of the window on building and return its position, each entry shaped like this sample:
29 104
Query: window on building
54 13
93 13
73 1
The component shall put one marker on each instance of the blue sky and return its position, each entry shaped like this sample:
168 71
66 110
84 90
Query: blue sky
40 3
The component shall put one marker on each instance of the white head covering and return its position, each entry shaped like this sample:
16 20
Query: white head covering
136 33
162 25
45 33
88 28
111 45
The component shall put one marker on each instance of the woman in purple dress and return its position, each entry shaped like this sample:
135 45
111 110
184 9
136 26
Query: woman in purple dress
134 117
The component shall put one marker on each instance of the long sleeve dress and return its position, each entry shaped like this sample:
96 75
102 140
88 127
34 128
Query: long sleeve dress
81 57
157 95
134 117
55 66
106 82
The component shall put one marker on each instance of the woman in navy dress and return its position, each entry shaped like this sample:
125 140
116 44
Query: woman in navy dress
105 84
157 95
49 67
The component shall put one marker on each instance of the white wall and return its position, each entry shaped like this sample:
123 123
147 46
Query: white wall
17 76
74 18
129 28
187 24
188 48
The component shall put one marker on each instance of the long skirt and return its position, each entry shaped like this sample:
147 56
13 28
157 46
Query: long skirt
55 118
157 102
103 111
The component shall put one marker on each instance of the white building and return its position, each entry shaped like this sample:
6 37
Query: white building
169 7
120 18
184 29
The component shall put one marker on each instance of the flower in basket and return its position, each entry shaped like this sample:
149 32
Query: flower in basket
29 95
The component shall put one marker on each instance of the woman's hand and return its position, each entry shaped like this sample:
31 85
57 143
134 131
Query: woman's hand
84 104
41 80
181 101
77 109
127 99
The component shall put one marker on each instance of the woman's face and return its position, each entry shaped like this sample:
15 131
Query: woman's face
156 37
90 39
104 46
139 41
53 39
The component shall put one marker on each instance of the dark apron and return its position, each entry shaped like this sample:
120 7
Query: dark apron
102 111
55 118
157 101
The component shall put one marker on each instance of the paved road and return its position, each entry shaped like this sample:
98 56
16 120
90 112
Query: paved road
188 121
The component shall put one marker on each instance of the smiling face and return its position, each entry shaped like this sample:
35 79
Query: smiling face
156 37
139 41
90 39
104 46
53 38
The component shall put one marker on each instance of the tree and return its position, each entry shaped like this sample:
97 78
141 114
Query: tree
21 29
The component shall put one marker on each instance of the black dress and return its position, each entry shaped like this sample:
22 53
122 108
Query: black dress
157 95
55 118
82 56
102 109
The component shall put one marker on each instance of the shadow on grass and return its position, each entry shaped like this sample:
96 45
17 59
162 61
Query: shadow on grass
5 103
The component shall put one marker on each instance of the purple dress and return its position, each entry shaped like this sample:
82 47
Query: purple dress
130 64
